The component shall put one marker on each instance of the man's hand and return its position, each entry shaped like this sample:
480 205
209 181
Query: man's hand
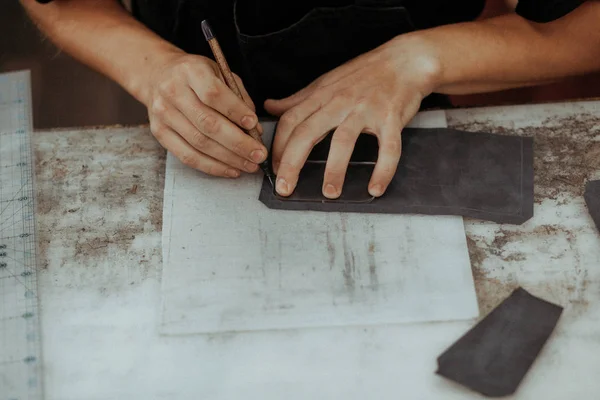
195 115
192 111
377 93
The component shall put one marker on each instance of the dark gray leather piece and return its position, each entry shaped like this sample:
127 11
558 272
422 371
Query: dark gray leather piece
592 199
441 172
494 356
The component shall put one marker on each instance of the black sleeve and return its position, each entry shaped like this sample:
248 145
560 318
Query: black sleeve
546 10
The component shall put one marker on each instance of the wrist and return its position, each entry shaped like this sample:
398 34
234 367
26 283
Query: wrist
424 59
140 81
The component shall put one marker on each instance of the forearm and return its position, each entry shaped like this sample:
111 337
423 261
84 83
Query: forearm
101 34
509 51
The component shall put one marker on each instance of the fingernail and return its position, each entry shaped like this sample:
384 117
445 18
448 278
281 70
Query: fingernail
249 121
376 190
232 173
330 191
250 167
257 156
282 187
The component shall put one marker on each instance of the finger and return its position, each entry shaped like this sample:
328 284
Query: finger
218 96
342 145
390 148
191 157
221 130
288 123
303 139
279 107
175 120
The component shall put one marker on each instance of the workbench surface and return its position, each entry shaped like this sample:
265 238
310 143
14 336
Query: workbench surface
99 221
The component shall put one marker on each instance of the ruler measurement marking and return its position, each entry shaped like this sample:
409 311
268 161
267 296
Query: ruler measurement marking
27 216
15 275
11 200
8 201
15 250
20 347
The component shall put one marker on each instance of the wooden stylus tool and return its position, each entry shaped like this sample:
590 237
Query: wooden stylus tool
230 80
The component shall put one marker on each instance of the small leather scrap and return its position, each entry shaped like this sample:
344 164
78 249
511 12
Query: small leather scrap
441 172
592 199
494 356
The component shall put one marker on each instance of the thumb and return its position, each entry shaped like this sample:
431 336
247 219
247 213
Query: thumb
278 107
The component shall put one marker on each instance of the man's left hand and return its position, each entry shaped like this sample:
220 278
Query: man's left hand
377 93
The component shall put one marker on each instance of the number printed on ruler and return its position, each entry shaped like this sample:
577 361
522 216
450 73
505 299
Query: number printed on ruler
20 345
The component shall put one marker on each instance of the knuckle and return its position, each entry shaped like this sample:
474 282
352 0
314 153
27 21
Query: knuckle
239 148
362 102
344 136
230 112
188 66
393 146
159 133
391 114
193 67
289 119
158 107
385 172
388 170
276 169
335 171
211 94
154 125
168 88
199 141
208 123
215 170
188 159
287 167
307 132
302 130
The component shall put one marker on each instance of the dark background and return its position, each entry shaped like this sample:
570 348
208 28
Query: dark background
65 93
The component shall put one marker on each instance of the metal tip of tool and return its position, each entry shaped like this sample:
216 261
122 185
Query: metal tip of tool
266 169
270 178
207 30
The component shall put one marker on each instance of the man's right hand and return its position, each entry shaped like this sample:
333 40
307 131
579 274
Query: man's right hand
195 115
192 111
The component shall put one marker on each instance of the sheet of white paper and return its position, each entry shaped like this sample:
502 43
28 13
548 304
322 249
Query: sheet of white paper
232 264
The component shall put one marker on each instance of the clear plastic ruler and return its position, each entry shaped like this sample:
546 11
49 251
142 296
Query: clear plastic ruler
20 345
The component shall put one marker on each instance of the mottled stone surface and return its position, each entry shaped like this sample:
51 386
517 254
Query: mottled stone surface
99 221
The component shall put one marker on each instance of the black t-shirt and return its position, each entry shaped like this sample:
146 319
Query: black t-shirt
535 10
163 15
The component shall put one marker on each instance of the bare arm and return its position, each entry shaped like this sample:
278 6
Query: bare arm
192 112
509 51
102 34
380 91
